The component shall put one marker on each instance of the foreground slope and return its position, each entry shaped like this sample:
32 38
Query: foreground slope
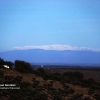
43 85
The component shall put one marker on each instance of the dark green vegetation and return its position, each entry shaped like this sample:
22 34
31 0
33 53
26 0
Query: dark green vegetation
41 84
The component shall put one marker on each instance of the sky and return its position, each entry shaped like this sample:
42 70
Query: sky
36 23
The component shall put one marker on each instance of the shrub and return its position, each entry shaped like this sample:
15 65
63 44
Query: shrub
76 83
9 79
65 86
91 91
71 90
24 84
18 78
90 81
57 97
97 96
74 75
87 98
33 79
56 76
76 97
1 74
40 72
36 83
40 96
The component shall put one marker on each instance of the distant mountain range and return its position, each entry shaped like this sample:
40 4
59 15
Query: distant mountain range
53 56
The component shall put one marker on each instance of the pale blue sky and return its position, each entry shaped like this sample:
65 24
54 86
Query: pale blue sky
48 22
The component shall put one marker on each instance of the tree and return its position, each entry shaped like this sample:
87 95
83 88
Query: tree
23 66
2 62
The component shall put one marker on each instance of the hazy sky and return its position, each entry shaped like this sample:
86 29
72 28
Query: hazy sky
48 22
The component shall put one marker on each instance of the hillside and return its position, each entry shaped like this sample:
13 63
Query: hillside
43 85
